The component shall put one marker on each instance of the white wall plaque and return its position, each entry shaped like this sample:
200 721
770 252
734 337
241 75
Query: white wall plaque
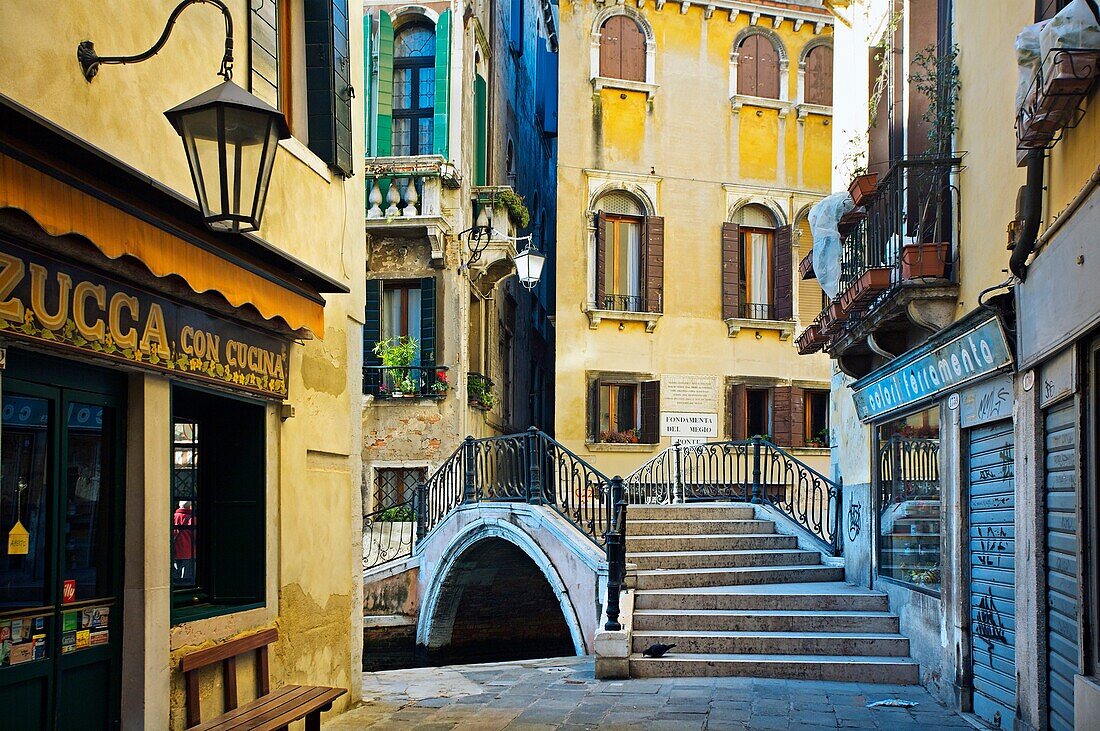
689 425
683 392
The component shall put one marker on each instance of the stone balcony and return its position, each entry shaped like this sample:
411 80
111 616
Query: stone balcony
493 260
408 196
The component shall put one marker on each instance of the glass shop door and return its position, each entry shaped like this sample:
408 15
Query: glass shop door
60 556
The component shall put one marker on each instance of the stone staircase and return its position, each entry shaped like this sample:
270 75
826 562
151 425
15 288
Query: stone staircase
739 598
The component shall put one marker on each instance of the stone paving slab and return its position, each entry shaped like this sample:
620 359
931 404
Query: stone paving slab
561 694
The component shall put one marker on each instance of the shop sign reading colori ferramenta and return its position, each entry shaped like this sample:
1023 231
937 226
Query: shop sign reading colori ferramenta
56 304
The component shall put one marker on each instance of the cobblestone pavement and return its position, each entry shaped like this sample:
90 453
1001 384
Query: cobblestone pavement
562 694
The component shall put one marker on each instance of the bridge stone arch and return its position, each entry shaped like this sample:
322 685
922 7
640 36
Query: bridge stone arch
443 589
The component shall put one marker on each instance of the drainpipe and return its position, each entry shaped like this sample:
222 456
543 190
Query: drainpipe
1033 211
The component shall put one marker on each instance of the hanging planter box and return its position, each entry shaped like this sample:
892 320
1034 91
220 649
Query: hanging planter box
1069 72
806 266
864 290
850 220
863 187
832 318
811 340
924 260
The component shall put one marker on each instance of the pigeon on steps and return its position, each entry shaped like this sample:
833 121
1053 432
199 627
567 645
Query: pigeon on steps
657 649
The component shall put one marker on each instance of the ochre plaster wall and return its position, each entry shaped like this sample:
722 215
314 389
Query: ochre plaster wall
687 142
313 543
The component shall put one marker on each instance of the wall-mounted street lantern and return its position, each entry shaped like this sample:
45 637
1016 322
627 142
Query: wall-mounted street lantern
230 136
529 263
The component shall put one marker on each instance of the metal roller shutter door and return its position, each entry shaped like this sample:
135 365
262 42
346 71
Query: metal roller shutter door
992 500
1060 459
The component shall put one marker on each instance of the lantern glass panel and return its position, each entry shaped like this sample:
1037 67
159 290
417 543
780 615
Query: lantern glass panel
200 142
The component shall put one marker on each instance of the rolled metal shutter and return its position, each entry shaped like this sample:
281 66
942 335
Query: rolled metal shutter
992 502
1060 458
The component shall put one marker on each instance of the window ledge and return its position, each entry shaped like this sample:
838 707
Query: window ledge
404 401
599 83
609 447
306 156
808 451
805 109
595 316
785 328
739 100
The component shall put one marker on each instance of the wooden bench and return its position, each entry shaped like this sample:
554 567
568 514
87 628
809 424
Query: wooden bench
271 710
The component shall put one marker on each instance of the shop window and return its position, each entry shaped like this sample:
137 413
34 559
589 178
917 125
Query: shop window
817 418
413 90
758 67
394 486
623 411
909 500
217 509
819 76
622 49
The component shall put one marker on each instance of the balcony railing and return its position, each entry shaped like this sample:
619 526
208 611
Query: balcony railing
758 311
621 303
910 225
407 187
393 382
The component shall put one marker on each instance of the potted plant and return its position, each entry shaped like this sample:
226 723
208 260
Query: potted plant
480 392
863 187
397 355
440 385
629 436
924 260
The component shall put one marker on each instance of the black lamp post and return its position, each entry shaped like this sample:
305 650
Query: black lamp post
230 136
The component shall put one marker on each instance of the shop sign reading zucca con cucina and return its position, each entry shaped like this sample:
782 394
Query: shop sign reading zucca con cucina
52 303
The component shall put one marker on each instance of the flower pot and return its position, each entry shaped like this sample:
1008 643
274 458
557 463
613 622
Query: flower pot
924 260
864 290
1069 72
806 266
863 187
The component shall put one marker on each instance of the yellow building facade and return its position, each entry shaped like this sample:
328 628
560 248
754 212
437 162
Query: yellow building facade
96 187
693 141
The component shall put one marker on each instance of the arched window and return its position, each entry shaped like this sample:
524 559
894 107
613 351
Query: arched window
758 67
413 89
819 76
757 277
620 240
622 49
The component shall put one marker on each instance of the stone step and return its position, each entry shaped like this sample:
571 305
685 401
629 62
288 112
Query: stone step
668 578
862 644
890 670
696 527
819 596
691 511
722 559
716 542
724 620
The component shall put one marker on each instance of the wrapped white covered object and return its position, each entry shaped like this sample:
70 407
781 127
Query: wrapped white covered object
1075 26
824 218
1027 58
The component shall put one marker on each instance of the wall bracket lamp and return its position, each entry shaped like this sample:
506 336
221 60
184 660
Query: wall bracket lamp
230 137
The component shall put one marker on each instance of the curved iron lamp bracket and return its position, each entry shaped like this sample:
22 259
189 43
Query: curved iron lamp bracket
90 61
478 238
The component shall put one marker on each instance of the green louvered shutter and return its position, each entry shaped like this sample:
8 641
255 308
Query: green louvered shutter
372 333
384 126
427 322
442 82
328 82
481 96
368 87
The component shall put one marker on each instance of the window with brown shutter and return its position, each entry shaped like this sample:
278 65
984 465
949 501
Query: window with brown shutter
819 76
758 412
816 418
784 275
622 49
756 283
758 67
623 410
736 408
654 263
787 416
731 270
651 412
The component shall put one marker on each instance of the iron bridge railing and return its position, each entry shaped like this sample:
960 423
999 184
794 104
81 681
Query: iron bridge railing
752 470
530 467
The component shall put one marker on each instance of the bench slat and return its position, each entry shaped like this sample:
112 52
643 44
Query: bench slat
275 710
217 653
265 702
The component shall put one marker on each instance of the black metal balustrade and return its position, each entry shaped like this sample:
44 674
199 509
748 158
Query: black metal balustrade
388 382
388 533
911 224
621 303
758 311
530 468
752 470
